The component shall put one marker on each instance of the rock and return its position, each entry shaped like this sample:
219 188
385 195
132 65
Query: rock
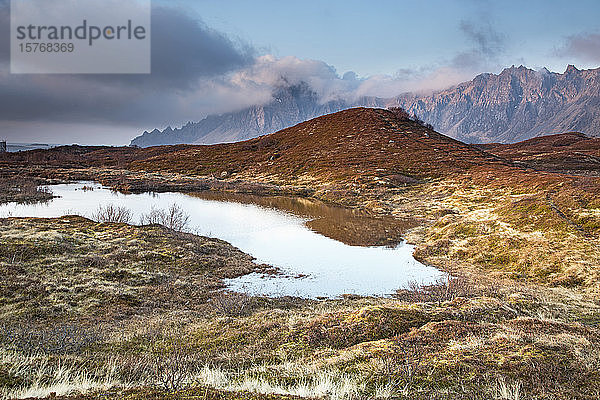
517 104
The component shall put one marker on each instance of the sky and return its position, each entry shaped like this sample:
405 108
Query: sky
219 56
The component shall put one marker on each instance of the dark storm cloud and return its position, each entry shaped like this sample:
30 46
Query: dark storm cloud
185 53
184 50
585 47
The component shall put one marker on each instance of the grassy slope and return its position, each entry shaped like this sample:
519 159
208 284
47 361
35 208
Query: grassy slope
482 216
520 234
357 146
569 152
354 145
131 305
63 269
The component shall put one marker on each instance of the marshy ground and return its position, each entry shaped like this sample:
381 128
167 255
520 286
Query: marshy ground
120 311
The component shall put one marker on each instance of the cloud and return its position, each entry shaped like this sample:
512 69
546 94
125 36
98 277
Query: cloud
4 31
584 46
185 55
486 45
269 72
185 50
197 71
486 39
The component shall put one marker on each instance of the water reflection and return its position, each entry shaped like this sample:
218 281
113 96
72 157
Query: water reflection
275 231
350 226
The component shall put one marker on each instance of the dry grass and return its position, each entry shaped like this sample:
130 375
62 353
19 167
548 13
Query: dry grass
23 190
145 312
506 233
38 376
69 267
448 352
518 319
458 338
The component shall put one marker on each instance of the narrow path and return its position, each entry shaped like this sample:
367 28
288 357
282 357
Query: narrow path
562 215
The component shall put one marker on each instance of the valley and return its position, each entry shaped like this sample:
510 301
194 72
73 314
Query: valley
141 311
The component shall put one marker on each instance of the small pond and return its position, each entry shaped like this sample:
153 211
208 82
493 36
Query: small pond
322 251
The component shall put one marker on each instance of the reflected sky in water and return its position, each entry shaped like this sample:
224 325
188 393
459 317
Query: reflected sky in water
312 264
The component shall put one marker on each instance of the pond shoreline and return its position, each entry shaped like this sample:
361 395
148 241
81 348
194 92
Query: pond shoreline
278 231
453 332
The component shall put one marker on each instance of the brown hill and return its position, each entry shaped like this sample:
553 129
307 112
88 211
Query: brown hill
476 208
359 147
572 152
360 144
355 148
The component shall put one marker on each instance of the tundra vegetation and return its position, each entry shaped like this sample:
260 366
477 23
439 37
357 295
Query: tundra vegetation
23 190
92 309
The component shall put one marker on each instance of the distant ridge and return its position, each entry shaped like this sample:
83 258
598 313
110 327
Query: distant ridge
517 104
571 152
290 105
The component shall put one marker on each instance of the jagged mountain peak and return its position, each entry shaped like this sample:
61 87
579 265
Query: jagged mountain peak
571 69
289 105
517 104
513 69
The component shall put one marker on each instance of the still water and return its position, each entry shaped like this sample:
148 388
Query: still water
313 264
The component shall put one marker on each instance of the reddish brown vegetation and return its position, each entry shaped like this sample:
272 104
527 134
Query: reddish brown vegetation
568 152
353 145
349 145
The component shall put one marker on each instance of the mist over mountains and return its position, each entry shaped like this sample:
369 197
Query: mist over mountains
517 104
290 105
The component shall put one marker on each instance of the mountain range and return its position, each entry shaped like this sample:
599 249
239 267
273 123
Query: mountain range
517 104
353 146
290 105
